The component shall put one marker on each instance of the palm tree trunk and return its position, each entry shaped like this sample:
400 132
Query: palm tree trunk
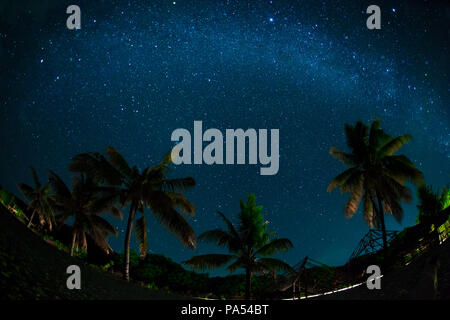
383 226
126 271
248 283
31 219
74 236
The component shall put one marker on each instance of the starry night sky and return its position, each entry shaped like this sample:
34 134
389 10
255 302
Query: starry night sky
138 70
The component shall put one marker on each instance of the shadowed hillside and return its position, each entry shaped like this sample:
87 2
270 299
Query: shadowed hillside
30 268
414 281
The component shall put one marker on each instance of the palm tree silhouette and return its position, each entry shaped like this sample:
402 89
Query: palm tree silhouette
431 203
149 188
375 176
82 203
249 245
41 201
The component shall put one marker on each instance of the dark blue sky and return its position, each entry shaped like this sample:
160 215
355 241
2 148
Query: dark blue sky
138 70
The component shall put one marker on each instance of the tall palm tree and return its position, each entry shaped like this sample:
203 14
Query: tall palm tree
41 200
149 188
376 175
249 245
82 203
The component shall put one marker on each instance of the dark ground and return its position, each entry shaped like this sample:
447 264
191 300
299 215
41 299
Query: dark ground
415 281
30 268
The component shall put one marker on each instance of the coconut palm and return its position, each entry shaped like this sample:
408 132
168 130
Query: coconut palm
249 245
149 188
376 176
430 203
82 204
40 201
431 207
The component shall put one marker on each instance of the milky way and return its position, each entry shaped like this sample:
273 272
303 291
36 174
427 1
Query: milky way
137 71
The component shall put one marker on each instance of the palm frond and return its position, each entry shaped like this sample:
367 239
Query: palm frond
230 226
272 264
275 246
392 146
356 138
118 161
208 261
346 158
26 190
402 169
35 177
97 167
356 194
377 136
105 202
59 186
102 224
163 166
162 207
392 189
394 208
178 184
116 212
179 201
220 238
239 263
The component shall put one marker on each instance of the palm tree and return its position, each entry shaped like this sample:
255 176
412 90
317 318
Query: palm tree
40 199
82 203
431 203
249 245
375 176
431 206
149 188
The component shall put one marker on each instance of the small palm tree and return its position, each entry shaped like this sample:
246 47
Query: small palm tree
249 245
376 176
82 203
41 200
149 188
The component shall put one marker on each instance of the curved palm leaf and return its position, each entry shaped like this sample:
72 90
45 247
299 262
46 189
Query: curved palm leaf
273 264
119 162
230 226
208 261
179 201
35 177
342 178
178 184
221 238
346 158
162 209
141 235
26 190
59 187
376 176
